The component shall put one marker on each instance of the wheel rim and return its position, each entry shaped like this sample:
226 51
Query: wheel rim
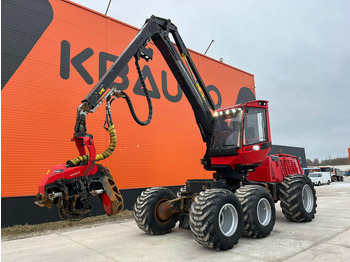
264 211
228 219
308 198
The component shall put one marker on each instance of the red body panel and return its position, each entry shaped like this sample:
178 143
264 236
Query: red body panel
61 171
230 160
275 168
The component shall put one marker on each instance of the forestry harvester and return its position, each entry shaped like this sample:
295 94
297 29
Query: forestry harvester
246 184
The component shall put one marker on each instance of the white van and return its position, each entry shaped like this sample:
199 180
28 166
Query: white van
320 178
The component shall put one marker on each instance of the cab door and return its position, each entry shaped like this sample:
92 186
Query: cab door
255 136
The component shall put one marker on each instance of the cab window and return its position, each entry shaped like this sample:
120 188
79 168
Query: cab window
255 129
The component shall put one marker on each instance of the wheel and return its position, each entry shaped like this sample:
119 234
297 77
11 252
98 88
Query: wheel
258 210
298 198
319 183
145 211
216 219
328 182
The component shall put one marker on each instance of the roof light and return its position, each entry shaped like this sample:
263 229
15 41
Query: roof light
216 114
221 113
234 110
227 112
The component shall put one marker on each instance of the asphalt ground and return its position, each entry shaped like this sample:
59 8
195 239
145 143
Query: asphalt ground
326 238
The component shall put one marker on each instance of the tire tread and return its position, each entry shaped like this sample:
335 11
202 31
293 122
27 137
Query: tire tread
291 198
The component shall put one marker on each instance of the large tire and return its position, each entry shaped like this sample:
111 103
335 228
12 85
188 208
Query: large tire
258 209
216 219
298 198
145 211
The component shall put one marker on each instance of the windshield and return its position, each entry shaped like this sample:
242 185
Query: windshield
326 169
227 129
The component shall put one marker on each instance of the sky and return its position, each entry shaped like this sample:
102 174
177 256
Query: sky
298 51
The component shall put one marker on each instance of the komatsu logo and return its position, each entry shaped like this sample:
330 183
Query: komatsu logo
74 61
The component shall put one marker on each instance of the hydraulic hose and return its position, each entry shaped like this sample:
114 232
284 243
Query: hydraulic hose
109 123
132 110
149 101
104 155
112 144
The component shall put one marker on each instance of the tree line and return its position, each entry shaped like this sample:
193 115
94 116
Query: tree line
328 162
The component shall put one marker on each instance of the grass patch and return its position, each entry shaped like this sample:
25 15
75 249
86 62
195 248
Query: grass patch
24 231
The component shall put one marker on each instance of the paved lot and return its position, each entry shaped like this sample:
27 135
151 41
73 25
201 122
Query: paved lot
326 238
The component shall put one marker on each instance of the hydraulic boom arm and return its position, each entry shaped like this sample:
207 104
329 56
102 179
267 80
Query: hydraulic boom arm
156 29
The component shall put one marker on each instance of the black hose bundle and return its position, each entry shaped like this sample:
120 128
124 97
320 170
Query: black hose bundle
109 123
149 101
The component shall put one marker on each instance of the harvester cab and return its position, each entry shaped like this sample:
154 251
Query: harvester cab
241 135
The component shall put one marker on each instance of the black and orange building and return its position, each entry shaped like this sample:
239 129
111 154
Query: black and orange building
53 53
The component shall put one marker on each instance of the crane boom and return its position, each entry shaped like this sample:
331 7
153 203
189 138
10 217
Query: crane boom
157 29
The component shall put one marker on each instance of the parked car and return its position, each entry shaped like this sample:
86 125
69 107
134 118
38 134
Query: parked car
320 178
